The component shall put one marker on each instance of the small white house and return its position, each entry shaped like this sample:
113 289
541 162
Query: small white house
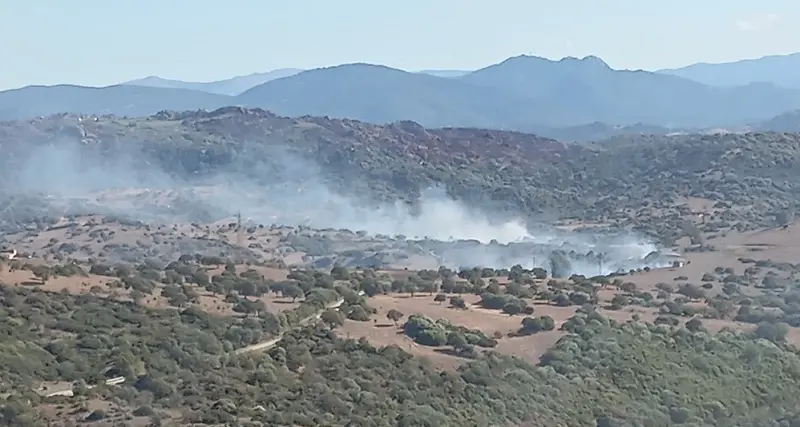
8 254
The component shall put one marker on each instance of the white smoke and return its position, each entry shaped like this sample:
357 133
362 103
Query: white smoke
289 190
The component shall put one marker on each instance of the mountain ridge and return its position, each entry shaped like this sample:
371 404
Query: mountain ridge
523 93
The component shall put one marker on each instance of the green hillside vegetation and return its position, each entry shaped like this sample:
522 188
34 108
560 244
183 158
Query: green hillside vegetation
602 373
750 177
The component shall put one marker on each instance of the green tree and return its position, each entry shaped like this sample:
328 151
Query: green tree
332 318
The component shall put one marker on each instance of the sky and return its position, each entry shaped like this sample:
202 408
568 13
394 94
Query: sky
98 43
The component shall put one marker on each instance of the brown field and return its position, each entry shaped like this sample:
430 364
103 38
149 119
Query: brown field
491 322
780 245
382 331
74 284
104 286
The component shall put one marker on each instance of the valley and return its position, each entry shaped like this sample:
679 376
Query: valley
207 280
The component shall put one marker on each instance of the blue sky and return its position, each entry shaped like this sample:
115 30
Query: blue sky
93 42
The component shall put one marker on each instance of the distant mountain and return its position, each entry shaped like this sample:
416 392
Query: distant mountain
522 93
781 70
588 90
33 101
445 73
232 86
380 94
236 85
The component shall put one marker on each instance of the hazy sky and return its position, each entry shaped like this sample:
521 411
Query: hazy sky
93 42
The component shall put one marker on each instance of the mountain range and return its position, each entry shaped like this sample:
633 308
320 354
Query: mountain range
236 85
570 98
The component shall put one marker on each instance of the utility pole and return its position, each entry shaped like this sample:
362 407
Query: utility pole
239 237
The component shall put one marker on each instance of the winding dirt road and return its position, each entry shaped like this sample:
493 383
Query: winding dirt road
266 345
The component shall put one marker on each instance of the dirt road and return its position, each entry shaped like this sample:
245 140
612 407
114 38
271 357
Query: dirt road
266 345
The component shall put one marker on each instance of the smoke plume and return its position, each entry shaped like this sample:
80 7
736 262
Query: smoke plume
284 188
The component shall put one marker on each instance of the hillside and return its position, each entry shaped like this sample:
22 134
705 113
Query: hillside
780 70
521 93
497 170
236 267
316 378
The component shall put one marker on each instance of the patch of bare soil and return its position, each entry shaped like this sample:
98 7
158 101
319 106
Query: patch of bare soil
72 284
776 244
530 347
488 321
698 205
697 265
491 322
385 333
268 273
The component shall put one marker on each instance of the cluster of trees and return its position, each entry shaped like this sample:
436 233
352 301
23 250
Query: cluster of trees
532 325
601 373
426 331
